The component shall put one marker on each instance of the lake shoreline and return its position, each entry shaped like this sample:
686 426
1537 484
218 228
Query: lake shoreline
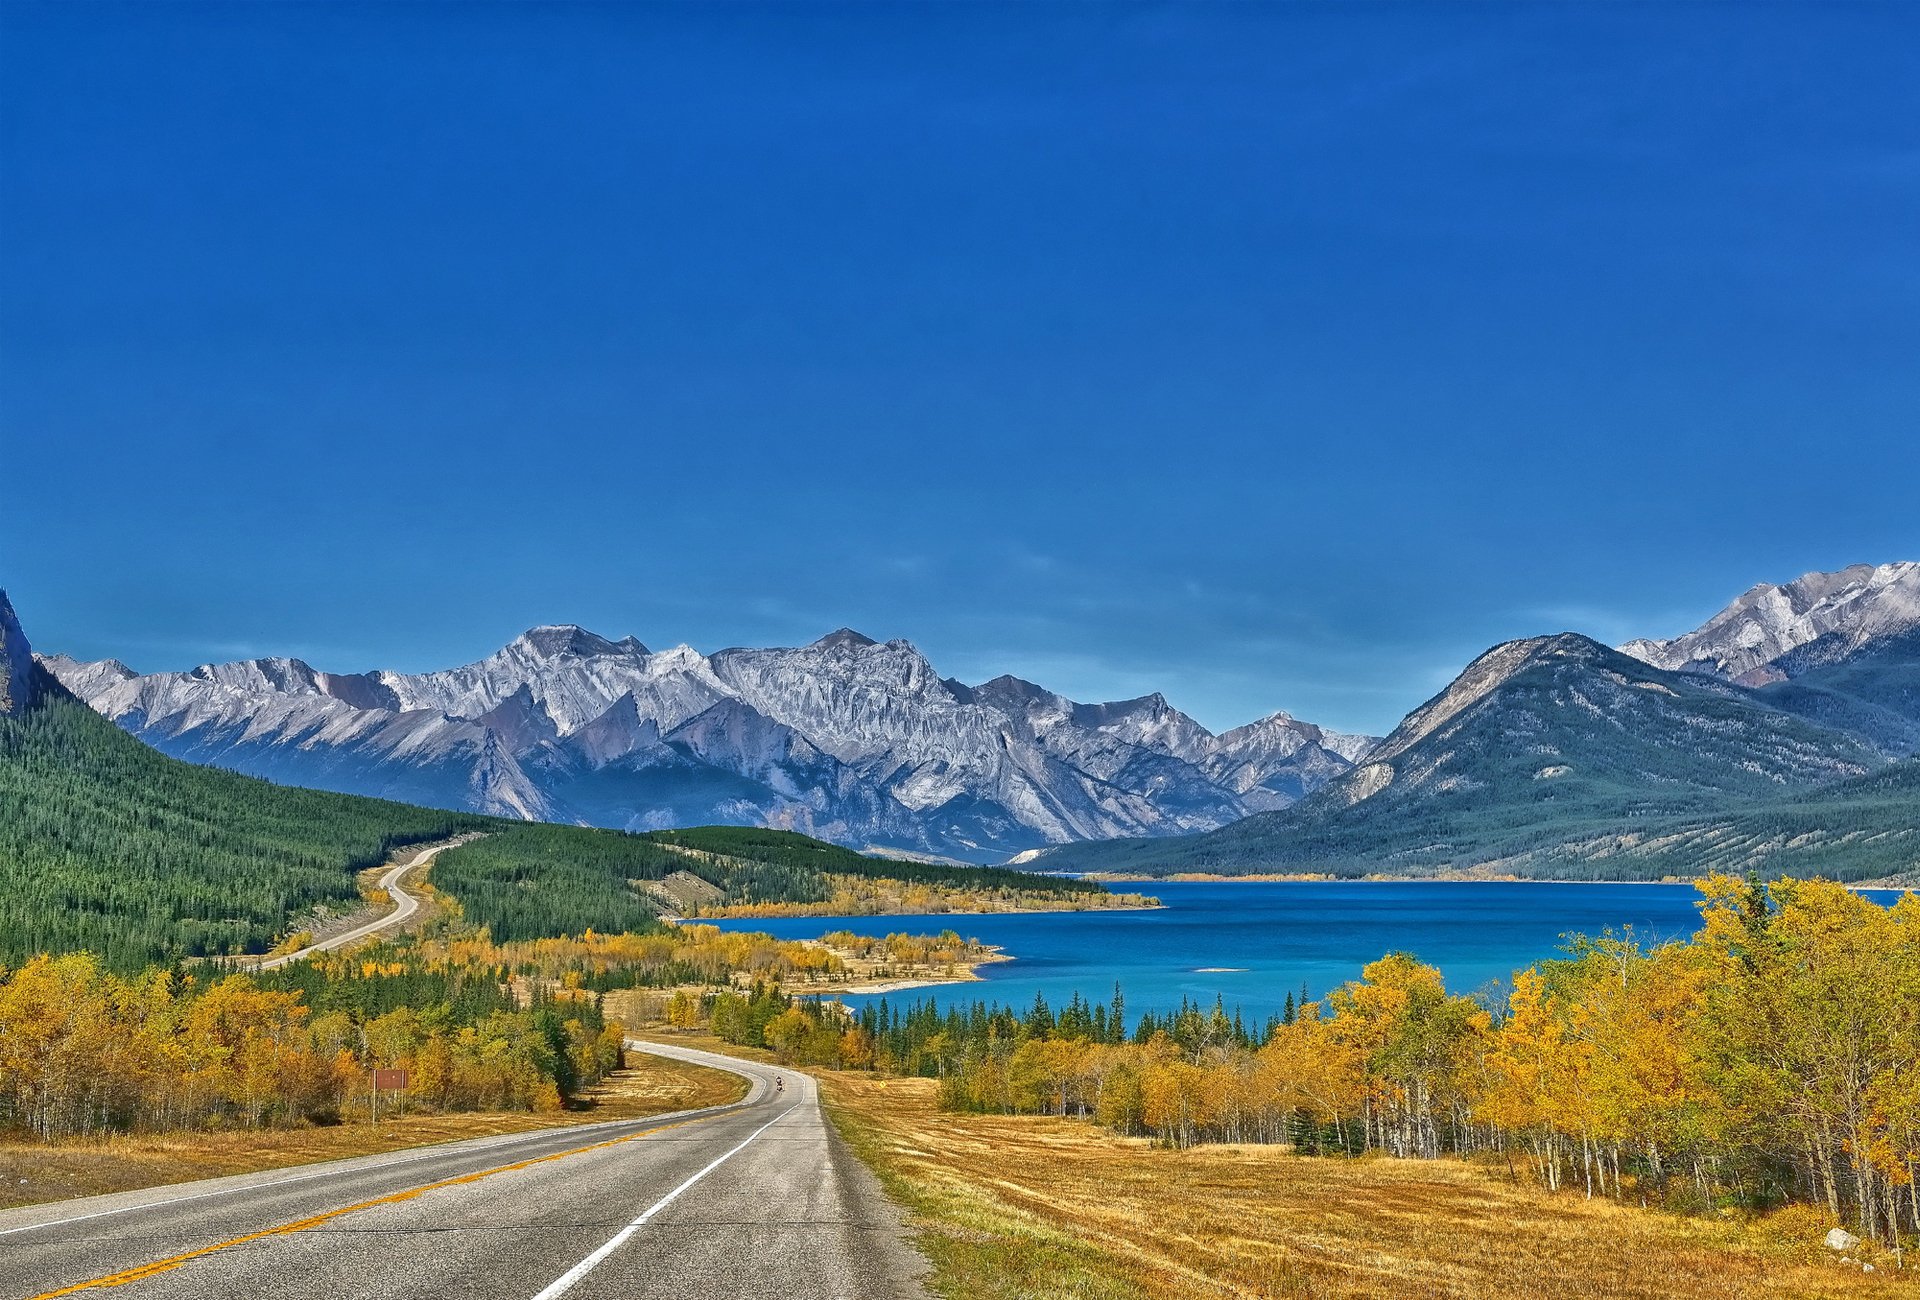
803 913
866 984
1895 885
1255 945
1313 878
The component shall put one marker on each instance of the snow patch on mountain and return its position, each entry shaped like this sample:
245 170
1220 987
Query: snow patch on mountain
849 737
1836 612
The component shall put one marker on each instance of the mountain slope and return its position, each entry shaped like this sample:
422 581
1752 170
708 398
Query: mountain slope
108 845
1842 649
1872 691
1538 745
1818 618
848 738
1562 720
16 663
281 720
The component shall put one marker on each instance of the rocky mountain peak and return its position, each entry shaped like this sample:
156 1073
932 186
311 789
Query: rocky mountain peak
1009 691
558 640
520 720
679 658
1150 721
844 639
1832 614
16 663
1482 678
853 738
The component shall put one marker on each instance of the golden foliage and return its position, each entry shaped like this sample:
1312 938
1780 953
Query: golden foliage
880 896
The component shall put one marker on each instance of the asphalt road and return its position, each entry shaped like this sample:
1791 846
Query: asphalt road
759 1199
405 905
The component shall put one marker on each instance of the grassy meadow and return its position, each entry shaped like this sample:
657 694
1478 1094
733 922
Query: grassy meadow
1030 1207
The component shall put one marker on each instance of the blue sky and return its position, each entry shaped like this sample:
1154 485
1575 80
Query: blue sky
1272 357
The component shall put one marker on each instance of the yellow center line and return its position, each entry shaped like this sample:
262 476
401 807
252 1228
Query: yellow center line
175 1261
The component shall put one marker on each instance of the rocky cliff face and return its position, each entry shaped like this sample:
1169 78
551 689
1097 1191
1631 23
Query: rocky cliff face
1841 649
848 738
16 663
1546 755
1772 631
1565 712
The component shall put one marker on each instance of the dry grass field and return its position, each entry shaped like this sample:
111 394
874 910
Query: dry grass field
35 1171
1025 1207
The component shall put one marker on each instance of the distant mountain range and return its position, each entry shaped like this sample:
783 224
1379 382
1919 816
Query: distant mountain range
109 846
1779 733
1778 737
850 739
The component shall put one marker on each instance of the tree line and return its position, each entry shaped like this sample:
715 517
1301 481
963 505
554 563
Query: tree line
479 1025
87 1051
527 880
1775 1056
111 847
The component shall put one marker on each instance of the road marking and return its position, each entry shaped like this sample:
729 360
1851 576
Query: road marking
571 1278
172 1262
437 1152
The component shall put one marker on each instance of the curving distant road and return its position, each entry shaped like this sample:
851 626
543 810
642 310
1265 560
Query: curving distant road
405 905
757 1199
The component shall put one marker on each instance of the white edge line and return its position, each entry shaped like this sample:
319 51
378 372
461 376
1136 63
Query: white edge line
566 1281
436 1150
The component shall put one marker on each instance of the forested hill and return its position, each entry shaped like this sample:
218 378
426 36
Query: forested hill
110 846
1863 829
1557 757
528 879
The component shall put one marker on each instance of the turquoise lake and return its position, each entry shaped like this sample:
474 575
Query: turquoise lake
1276 936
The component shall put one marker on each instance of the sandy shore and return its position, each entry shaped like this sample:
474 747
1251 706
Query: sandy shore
964 973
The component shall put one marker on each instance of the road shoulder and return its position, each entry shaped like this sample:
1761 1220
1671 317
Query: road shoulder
36 1173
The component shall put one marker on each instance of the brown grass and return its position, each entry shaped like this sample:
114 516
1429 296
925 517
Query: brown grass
32 1172
1025 1207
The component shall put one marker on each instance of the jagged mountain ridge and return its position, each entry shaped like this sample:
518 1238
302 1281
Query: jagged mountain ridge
1772 633
1566 710
1841 649
1545 756
848 738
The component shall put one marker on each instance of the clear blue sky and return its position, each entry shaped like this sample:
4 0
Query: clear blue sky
1274 357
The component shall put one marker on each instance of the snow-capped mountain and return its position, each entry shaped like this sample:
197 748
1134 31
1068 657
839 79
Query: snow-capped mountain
1556 712
1841 649
1543 753
280 719
847 738
1279 760
1771 631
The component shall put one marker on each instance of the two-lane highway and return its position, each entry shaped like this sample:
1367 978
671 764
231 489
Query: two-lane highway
404 904
752 1200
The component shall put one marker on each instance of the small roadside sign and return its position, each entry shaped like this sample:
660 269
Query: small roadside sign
390 1080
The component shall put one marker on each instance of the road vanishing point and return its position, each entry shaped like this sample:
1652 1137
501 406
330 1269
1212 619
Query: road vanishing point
756 1199
405 905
